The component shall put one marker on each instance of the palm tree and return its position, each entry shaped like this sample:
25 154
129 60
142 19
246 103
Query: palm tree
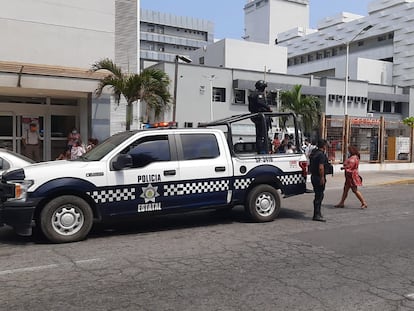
150 86
306 107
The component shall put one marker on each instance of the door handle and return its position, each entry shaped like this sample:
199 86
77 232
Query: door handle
169 173
219 168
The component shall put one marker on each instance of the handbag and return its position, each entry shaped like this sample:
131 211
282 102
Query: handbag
329 169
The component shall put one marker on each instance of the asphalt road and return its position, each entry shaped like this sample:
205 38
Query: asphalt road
358 260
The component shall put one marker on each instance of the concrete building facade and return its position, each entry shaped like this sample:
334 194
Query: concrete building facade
163 36
264 19
44 61
49 81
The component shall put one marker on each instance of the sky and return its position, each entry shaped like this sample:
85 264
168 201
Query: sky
228 15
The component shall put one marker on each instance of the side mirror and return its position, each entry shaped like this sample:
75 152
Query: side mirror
122 161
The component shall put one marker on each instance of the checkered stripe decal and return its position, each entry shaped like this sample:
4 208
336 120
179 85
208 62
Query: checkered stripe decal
113 195
241 184
292 179
196 187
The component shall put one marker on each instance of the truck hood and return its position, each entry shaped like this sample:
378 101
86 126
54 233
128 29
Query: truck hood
44 171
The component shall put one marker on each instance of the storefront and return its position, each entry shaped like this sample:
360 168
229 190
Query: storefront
49 102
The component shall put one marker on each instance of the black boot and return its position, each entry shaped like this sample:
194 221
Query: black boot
317 216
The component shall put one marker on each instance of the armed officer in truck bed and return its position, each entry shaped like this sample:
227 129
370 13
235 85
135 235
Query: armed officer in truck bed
258 103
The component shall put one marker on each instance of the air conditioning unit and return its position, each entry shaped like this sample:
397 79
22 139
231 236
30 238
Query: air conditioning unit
370 115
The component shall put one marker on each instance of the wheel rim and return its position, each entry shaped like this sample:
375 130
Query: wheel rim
67 219
265 204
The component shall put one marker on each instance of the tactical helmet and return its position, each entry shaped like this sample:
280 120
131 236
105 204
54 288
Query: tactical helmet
260 85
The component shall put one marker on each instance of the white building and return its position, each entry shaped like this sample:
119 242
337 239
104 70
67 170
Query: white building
380 55
264 19
47 49
46 54
163 35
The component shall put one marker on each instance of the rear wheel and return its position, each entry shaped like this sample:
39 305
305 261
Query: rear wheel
263 203
66 218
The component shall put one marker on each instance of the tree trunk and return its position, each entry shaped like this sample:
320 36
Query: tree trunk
129 110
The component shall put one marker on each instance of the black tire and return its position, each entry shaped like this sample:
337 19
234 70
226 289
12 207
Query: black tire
65 219
263 203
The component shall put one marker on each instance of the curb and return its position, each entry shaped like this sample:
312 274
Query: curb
397 182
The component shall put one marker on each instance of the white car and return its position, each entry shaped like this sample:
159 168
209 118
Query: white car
12 160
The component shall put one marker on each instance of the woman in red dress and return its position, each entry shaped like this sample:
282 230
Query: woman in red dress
352 178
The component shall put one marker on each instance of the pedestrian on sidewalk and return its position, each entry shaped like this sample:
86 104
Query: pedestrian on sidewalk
318 162
352 178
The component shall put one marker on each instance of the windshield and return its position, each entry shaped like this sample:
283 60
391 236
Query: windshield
106 146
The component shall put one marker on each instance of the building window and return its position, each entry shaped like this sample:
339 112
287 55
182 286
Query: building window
296 60
319 55
391 35
303 59
219 94
398 107
376 105
160 29
360 43
382 38
201 60
151 28
240 96
310 57
327 53
387 106
334 51
160 47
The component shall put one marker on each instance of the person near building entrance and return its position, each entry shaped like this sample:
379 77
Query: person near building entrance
318 162
31 141
257 103
352 178
73 136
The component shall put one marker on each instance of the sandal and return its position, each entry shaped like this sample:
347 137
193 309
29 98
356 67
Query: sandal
364 206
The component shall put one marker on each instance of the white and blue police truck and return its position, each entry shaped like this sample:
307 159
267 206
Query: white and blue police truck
152 172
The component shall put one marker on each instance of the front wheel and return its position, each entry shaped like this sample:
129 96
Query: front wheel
66 218
263 203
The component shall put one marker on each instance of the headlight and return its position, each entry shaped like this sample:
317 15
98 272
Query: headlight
21 189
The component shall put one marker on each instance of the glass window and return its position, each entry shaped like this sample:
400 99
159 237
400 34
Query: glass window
398 107
199 146
4 165
6 126
219 94
240 96
382 38
61 126
148 150
387 106
376 105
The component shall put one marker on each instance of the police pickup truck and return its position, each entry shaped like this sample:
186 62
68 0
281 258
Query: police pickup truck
152 172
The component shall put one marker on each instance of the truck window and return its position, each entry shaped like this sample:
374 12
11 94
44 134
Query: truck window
199 146
148 150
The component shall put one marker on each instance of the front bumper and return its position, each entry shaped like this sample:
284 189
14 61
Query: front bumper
18 215
6 191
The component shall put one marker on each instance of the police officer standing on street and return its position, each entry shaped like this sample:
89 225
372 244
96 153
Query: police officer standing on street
318 160
257 103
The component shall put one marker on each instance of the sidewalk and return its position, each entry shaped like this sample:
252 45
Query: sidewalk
376 174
